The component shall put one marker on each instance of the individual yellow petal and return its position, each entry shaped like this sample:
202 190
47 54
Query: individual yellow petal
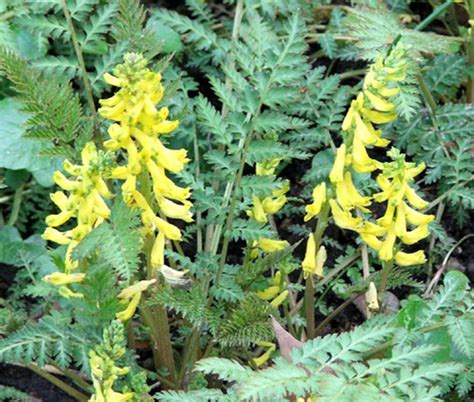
361 158
269 293
379 103
271 245
400 221
379 117
257 212
175 211
112 80
344 218
414 199
170 231
128 313
386 251
337 172
319 198
309 262
272 206
279 299
158 251
60 278
408 259
371 240
137 287
417 218
362 131
414 236
59 219
63 182
55 236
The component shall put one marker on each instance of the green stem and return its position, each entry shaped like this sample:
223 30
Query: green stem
72 376
336 312
17 198
80 59
429 263
60 384
309 288
438 11
384 274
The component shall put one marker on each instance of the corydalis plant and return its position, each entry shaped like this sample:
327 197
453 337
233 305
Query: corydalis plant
136 131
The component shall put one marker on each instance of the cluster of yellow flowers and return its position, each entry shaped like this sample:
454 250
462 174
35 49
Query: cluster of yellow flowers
136 131
372 107
139 125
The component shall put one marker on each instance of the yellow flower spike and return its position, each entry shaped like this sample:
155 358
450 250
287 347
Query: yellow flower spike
371 298
158 251
319 198
417 218
408 259
67 293
59 219
271 245
415 235
257 212
361 161
60 278
363 132
261 360
372 241
414 199
379 103
55 236
337 172
343 218
175 211
386 251
268 293
128 313
348 196
170 231
277 301
137 287
63 182
400 221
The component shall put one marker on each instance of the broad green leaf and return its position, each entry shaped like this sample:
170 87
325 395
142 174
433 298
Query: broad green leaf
168 38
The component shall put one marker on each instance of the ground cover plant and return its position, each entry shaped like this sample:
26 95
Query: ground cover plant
240 200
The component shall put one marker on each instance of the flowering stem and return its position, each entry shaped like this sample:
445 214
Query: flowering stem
384 274
80 59
309 288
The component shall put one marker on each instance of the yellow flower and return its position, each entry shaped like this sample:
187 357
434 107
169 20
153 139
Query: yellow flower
170 231
337 172
272 206
158 251
386 251
271 245
417 218
268 293
67 293
313 262
277 301
175 211
348 196
267 167
257 212
56 236
60 278
371 240
407 259
360 159
319 198
414 199
415 235
137 287
128 313
400 221
59 219
378 102
261 360
343 218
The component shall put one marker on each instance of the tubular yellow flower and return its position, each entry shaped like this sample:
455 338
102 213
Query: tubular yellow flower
344 218
372 241
319 198
128 313
271 245
417 218
415 235
56 236
400 221
337 172
408 259
158 251
277 301
257 212
414 199
386 251
309 262
60 278
137 287
261 360
348 196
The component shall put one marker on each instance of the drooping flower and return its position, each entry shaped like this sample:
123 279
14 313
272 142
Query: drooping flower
319 198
